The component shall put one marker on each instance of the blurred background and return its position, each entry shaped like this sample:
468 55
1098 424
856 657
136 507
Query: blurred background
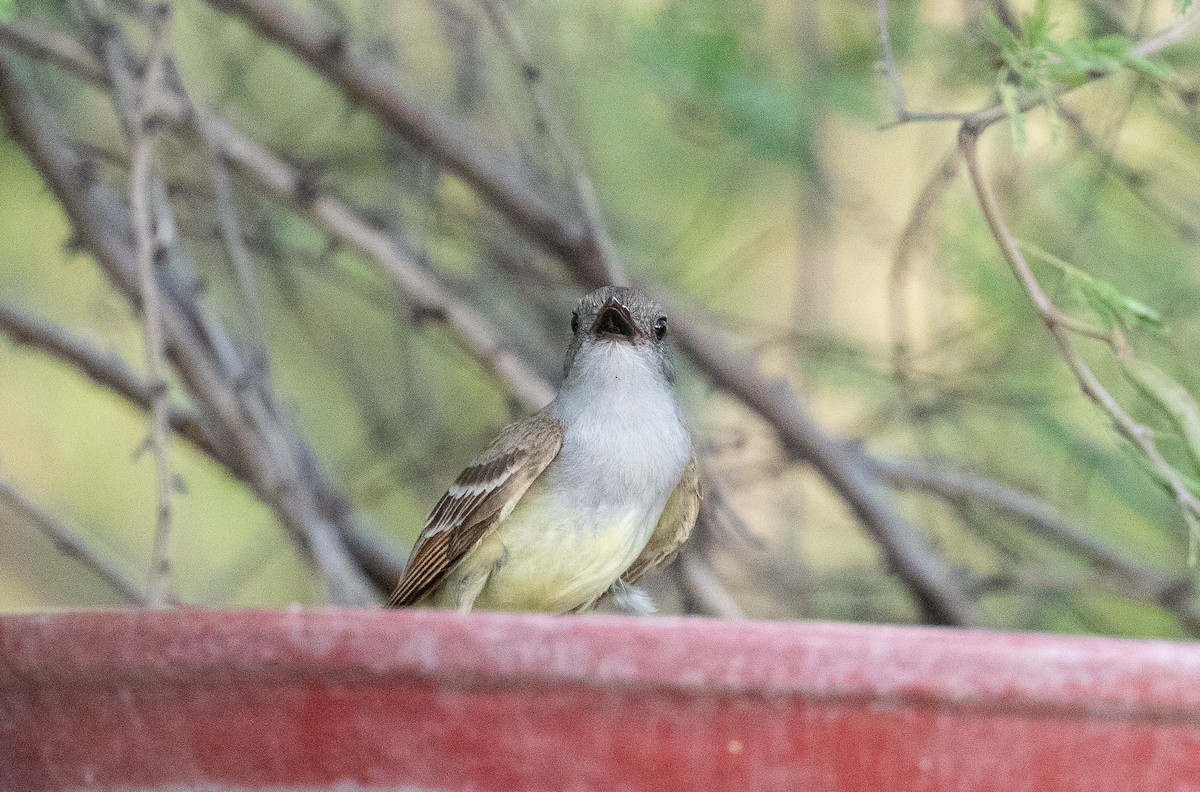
745 168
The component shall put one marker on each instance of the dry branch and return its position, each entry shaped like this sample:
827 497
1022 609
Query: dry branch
70 544
109 371
196 344
942 599
445 137
1136 581
146 238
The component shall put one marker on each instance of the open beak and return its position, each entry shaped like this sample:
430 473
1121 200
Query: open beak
614 320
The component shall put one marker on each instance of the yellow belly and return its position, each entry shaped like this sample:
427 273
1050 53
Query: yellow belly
547 556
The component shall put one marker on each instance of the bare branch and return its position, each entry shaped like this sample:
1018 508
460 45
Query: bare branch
196 344
941 597
891 73
1137 581
110 372
513 37
147 242
422 290
445 137
1177 31
235 244
46 44
70 544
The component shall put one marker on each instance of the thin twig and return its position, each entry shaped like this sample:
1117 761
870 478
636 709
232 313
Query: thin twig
147 243
935 185
111 372
198 347
1138 582
46 44
446 138
1174 33
235 246
288 183
513 36
940 595
891 73
421 289
1137 434
70 544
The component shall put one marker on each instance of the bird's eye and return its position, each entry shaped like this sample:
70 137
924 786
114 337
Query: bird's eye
660 328
575 322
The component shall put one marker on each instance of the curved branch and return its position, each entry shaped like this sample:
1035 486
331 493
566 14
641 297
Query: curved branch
942 599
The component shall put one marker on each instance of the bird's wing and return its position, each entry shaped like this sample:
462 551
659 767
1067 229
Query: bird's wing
481 496
674 526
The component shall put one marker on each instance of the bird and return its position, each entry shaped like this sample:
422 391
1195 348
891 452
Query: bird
573 504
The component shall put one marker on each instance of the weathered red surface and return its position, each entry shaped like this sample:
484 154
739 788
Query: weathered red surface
517 702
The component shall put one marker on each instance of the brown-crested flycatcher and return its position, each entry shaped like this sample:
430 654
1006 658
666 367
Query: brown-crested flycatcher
579 499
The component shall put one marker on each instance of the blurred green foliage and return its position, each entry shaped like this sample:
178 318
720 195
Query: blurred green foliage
1033 61
715 133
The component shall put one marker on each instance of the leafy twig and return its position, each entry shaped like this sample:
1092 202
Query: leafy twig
1061 328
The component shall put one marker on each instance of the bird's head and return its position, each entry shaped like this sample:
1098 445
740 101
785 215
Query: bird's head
618 318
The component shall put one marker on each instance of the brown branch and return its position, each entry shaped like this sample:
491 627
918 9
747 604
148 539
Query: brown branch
422 291
1136 581
513 37
46 44
446 138
381 565
70 544
941 598
148 249
235 244
196 345
891 73
420 288
1061 328
110 372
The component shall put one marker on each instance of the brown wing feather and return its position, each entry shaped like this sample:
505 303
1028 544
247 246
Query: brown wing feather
482 495
674 525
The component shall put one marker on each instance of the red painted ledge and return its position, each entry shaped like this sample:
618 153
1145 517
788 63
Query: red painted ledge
433 700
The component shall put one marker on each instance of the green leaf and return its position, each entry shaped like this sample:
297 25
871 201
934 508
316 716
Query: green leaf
1034 62
1016 120
1105 299
8 10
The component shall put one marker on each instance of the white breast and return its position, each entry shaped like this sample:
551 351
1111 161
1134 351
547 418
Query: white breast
591 512
624 441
